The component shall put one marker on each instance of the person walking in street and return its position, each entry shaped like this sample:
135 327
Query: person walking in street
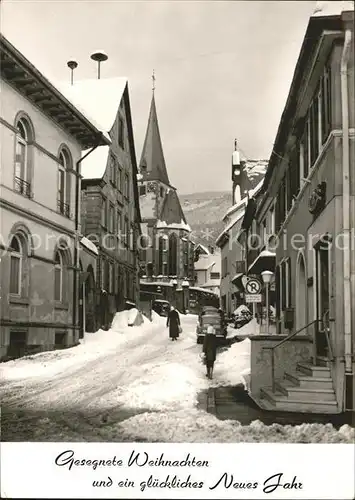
210 350
173 322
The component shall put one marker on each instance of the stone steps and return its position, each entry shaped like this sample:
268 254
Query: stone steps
281 402
307 390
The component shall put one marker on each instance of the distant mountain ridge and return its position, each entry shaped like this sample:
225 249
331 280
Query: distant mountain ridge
204 213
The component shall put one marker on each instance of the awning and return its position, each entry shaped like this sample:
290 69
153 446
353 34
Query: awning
265 261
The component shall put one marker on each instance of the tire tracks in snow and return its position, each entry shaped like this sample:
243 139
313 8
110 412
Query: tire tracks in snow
36 390
85 415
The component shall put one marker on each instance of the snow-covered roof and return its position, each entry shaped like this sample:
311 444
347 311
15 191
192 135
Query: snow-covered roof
174 225
89 245
94 165
254 168
332 8
204 248
199 289
241 204
235 207
244 201
230 225
262 255
98 100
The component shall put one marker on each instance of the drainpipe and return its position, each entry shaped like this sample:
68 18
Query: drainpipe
76 220
346 201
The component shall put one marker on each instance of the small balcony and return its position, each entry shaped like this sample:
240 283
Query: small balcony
63 208
23 187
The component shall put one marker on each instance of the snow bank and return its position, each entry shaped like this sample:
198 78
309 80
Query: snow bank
123 319
197 426
232 367
248 330
92 346
241 308
167 387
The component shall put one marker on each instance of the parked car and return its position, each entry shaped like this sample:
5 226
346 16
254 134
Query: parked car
210 316
161 307
242 316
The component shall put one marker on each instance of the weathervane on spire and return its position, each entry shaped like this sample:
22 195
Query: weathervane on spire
235 144
153 80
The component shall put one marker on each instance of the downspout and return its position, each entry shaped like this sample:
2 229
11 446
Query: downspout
346 201
76 220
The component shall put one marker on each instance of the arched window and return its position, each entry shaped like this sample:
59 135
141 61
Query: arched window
64 183
22 160
16 265
161 255
172 255
58 277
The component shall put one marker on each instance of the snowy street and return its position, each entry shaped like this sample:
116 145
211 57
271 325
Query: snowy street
132 384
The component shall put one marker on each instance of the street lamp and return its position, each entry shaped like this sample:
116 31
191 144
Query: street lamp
267 275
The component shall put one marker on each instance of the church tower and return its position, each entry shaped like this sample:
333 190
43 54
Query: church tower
236 175
169 252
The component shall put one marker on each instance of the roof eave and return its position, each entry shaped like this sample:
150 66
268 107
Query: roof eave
22 75
312 36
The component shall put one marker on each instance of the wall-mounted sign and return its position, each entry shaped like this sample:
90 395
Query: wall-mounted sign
317 198
253 287
253 298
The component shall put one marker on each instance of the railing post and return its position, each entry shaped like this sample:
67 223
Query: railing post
315 330
273 369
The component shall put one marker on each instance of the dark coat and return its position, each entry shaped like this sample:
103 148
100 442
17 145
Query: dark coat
173 322
210 347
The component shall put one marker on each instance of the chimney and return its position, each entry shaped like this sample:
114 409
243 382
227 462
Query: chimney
99 56
72 65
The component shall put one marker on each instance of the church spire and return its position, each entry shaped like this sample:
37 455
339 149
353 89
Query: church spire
152 164
153 81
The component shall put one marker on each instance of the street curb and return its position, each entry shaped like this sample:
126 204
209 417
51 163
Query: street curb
211 401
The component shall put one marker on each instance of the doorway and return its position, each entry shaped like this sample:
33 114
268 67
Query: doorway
323 299
301 294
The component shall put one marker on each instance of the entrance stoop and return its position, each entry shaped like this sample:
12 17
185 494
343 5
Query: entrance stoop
307 390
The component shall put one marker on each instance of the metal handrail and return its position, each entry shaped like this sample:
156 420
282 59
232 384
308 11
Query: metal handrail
291 335
23 187
63 208
327 335
280 343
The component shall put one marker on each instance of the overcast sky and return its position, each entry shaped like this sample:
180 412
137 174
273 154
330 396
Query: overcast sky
223 69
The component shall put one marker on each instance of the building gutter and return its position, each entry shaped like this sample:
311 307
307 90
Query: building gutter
76 221
346 201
